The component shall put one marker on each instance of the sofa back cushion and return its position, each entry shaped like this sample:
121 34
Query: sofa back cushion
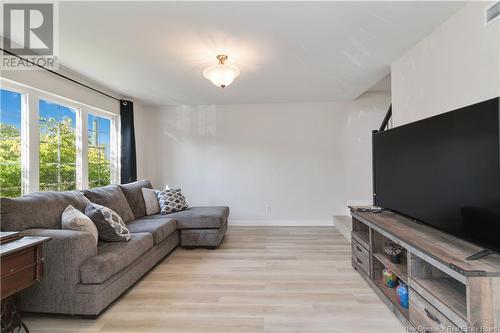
111 196
133 193
41 210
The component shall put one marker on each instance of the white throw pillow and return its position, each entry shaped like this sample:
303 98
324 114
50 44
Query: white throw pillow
73 219
151 201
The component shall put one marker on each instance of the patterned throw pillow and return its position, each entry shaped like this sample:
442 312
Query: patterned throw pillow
171 201
109 224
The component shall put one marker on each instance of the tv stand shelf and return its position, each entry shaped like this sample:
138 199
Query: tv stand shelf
445 289
399 269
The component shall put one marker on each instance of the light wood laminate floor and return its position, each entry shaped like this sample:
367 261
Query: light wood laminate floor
262 279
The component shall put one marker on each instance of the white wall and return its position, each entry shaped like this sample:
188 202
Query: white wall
145 141
286 163
456 65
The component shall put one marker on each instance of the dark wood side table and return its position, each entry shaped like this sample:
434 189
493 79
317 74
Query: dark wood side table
21 265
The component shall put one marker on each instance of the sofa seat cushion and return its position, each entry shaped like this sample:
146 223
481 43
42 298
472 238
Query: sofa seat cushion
160 228
210 217
112 257
133 194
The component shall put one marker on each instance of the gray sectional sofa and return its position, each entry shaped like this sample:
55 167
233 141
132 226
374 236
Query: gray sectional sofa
83 278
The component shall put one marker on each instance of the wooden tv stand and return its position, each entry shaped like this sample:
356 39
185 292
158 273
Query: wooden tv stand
447 293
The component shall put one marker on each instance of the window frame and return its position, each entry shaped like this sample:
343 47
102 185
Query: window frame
30 135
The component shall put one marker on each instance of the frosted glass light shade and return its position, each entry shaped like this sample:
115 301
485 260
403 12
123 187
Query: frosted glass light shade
221 75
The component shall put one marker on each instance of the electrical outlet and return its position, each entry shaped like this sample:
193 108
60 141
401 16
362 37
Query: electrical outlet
268 209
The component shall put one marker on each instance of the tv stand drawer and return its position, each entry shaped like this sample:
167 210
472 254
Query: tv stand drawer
426 318
360 256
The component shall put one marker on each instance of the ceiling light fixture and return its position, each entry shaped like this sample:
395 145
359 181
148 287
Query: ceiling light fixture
221 74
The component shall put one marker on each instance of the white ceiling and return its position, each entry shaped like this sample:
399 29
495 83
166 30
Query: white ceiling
287 51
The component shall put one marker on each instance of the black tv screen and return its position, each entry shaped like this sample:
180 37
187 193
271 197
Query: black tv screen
444 171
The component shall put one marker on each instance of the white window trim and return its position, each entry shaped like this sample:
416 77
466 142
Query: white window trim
30 135
82 177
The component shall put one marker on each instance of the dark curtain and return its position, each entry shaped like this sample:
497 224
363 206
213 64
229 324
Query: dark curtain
128 158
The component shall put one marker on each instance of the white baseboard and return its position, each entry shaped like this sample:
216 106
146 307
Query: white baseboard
281 223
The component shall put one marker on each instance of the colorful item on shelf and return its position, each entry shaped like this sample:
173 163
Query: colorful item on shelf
390 279
402 294
395 252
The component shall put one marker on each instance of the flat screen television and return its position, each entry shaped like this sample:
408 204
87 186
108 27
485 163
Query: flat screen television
444 171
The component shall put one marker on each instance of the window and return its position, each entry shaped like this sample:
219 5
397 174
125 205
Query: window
57 147
51 143
10 143
99 143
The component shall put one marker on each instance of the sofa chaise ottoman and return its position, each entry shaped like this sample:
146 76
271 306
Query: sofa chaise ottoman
200 226
83 278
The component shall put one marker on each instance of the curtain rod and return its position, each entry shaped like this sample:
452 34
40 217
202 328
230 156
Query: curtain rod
61 75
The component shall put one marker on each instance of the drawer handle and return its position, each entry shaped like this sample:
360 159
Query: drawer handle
432 317
358 248
359 261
